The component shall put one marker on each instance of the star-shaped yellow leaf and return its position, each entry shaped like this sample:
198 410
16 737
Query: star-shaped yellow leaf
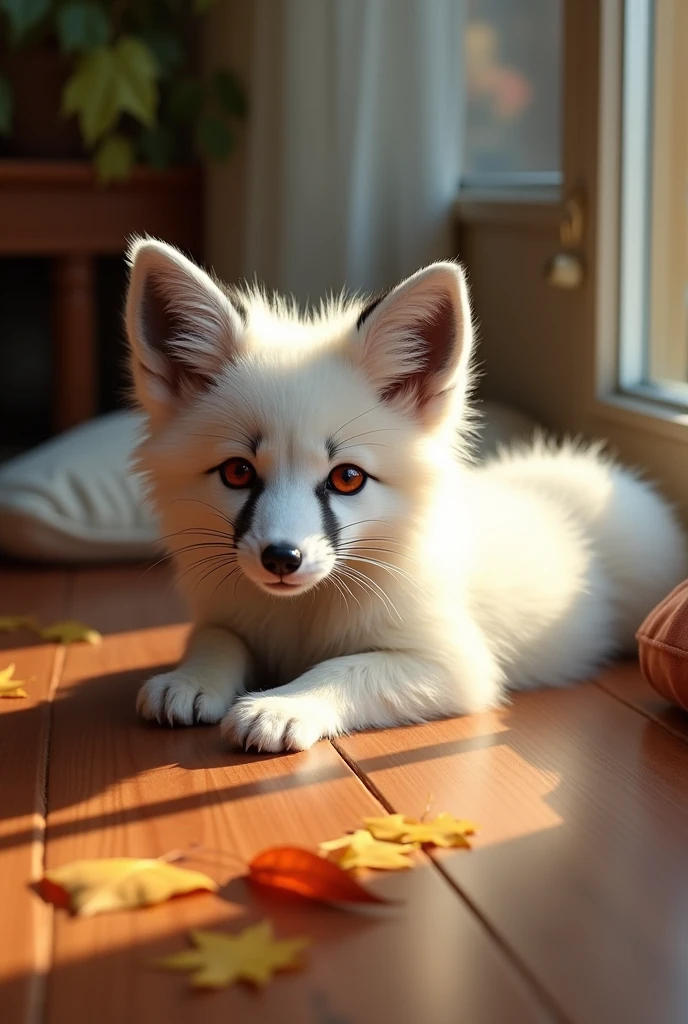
444 830
71 632
220 959
360 850
89 887
12 623
10 687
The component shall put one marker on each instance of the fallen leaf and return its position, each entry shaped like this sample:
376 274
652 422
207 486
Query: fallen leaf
88 887
360 850
305 873
444 830
220 959
71 632
10 687
12 623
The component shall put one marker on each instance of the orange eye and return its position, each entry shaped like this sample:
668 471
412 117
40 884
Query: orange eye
346 479
237 473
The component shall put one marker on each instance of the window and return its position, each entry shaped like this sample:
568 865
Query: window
653 320
513 59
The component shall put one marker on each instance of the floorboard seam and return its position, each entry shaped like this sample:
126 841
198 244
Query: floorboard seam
36 1012
640 711
529 979
37 1008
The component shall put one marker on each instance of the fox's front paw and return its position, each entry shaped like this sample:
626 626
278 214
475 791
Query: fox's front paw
175 699
272 724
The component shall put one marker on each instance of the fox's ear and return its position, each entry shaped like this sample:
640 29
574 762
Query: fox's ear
182 328
414 343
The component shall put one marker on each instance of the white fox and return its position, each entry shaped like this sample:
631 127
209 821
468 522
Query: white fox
346 563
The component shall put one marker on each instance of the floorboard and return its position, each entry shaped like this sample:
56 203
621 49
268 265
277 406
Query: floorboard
625 682
118 787
580 863
571 908
24 738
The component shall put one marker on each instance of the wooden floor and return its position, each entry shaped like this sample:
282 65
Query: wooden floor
572 906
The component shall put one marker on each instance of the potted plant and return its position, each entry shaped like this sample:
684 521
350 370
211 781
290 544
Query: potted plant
113 80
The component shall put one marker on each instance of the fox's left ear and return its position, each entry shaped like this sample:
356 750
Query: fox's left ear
414 343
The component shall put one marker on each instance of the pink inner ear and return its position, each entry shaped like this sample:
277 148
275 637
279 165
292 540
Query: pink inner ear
161 325
438 337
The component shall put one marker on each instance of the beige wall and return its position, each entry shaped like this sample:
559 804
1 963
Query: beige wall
527 346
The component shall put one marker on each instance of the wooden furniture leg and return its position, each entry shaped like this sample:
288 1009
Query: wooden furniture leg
75 366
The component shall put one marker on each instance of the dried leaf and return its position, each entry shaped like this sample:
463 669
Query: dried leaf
444 830
71 632
88 887
360 850
220 959
305 873
12 623
10 687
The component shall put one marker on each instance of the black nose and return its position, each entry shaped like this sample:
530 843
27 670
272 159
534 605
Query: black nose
281 559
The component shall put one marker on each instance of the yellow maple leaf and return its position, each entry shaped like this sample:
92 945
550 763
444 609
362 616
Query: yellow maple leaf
11 623
10 687
360 849
71 632
444 830
220 959
89 887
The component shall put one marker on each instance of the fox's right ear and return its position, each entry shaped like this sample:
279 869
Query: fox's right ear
182 328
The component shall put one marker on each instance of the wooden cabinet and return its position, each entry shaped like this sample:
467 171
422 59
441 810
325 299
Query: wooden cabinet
58 209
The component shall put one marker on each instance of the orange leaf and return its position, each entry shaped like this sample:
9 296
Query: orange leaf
54 894
305 873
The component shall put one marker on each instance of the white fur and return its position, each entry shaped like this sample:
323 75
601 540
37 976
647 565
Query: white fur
454 581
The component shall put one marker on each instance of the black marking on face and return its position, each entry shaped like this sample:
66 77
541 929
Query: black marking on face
254 442
244 520
331 448
371 307
330 525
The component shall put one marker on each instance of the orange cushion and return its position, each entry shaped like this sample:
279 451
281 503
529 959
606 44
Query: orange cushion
663 646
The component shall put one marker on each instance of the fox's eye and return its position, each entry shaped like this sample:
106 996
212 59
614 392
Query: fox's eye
237 473
346 479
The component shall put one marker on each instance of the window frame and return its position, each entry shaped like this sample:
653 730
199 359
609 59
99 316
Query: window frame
623 298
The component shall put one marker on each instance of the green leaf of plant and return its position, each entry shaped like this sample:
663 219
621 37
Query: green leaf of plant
229 94
215 137
186 99
5 106
91 93
23 15
136 79
82 26
202 6
114 159
166 48
158 146
110 81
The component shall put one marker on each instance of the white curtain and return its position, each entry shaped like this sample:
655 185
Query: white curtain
354 141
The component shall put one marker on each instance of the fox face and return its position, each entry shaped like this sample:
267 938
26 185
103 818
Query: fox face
285 453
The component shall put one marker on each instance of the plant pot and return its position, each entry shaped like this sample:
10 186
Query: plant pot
37 77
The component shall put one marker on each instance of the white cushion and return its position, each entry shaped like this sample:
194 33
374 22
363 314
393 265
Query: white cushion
73 498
